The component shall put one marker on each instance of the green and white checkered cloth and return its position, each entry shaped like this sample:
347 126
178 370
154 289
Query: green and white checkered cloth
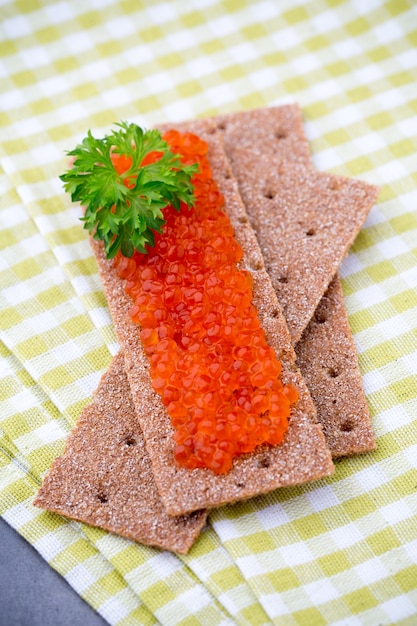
341 551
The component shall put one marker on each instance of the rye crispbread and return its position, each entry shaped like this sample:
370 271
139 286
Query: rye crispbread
273 131
305 222
104 477
326 355
293 208
303 455
278 132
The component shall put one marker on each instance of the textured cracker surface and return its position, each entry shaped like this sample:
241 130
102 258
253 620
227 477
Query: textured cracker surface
294 212
305 222
303 456
273 131
104 478
278 132
328 361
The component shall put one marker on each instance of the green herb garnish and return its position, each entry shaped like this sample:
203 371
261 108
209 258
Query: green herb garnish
123 186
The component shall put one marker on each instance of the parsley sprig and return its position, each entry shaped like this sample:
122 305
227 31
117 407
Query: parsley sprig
125 209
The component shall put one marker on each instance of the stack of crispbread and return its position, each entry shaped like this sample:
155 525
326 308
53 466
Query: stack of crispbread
295 226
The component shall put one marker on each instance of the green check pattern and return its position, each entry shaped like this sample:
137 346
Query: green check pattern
341 551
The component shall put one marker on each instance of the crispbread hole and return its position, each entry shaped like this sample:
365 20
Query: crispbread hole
269 193
281 133
333 372
347 426
129 440
102 497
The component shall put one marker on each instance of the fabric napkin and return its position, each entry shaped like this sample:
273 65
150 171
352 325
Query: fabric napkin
339 551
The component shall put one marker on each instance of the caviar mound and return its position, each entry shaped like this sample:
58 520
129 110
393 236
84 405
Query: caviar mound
209 359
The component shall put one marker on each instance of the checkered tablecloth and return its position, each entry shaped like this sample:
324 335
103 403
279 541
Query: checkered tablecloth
341 551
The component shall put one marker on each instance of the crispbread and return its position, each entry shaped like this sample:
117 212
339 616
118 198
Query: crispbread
273 131
347 425
303 456
104 478
326 355
305 222
257 142
278 132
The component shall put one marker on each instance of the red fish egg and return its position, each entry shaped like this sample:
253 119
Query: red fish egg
291 393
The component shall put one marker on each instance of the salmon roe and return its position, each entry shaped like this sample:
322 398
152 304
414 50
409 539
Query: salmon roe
209 359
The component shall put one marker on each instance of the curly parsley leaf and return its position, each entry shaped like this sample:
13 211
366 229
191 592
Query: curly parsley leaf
124 181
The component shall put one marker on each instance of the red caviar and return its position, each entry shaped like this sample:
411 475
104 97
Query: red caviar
209 359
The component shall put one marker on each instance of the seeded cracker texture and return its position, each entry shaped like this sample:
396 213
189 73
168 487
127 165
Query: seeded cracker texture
104 478
303 456
341 407
305 220
304 228
329 365
273 131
